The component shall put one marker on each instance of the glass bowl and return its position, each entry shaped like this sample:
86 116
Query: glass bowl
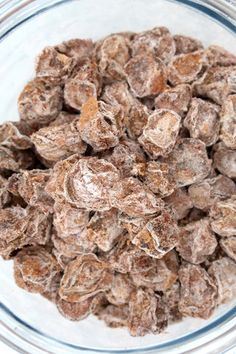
28 322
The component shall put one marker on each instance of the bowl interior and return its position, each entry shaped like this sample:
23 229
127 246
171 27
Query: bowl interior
90 19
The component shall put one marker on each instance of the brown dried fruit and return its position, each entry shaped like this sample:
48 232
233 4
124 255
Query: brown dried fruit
228 122
74 311
103 229
146 75
157 176
59 142
224 160
161 276
133 198
198 292
189 161
228 245
112 55
171 297
196 241
223 271
216 84
176 99
52 63
157 42
30 185
121 289
217 55
185 44
40 101
76 48
35 268
147 313
186 68
98 125
160 133
223 217
114 316
180 203
15 160
204 194
84 277
159 235
11 137
69 220
202 121
88 183
20 227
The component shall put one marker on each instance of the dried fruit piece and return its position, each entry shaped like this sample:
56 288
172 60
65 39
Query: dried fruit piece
76 48
223 217
186 68
88 182
34 269
185 44
98 125
225 160
15 160
217 55
157 42
223 271
77 92
20 227
160 133
180 203
11 137
204 194
68 247
103 229
161 276
147 313
69 220
157 176
40 101
216 84
52 63
84 277
121 289
59 142
228 122
114 316
198 292
228 245
74 311
30 185
202 121
112 55
176 99
171 297
146 75
189 161
125 155
196 241
133 198
158 236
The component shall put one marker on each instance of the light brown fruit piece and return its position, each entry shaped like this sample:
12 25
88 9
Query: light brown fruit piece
196 241
202 121
160 133
198 292
146 75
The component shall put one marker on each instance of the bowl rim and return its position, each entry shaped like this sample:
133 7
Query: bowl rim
14 13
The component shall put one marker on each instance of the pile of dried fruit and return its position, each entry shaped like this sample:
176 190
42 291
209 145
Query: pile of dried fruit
117 184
